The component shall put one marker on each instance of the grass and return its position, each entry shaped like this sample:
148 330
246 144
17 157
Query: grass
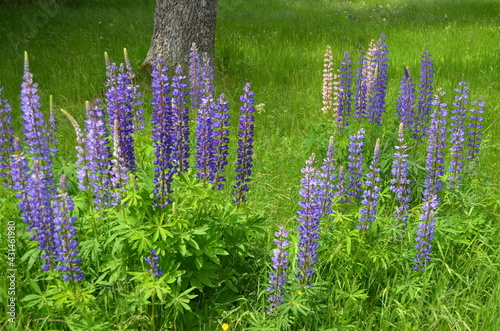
278 46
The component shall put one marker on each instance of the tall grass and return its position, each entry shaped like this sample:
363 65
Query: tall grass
278 46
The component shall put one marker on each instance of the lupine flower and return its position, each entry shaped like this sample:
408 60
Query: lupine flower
344 98
162 139
208 78
309 219
221 140
277 279
327 179
134 95
205 156
425 233
6 138
365 81
99 156
34 127
400 183
195 78
120 104
377 100
474 131
328 83
457 136
152 260
119 176
81 154
245 145
435 151
405 106
341 187
371 192
424 107
64 235
19 172
355 165
180 121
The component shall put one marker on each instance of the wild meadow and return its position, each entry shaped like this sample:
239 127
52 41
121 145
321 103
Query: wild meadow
333 168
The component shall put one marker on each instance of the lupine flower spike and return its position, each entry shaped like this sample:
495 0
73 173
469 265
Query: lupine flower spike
205 155
328 83
221 140
400 183
152 260
425 233
245 145
474 132
309 219
180 119
355 165
405 106
277 278
371 192
327 179
6 138
64 236
134 95
457 135
344 92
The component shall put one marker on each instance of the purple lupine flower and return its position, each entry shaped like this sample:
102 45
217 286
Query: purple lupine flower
371 193
341 187
344 99
245 145
425 233
405 107
277 279
180 120
195 78
162 138
19 172
152 260
34 127
41 217
424 106
328 83
208 78
82 172
134 95
327 179
435 151
120 103
99 156
118 171
377 98
309 219
355 165
365 81
400 183
6 138
64 235
457 135
221 140
205 155
474 131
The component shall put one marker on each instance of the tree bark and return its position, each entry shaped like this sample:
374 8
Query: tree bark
178 24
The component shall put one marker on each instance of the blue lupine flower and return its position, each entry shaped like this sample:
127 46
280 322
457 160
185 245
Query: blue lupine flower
435 151
474 131
162 137
355 165
134 95
221 140
195 78
65 234
277 278
377 100
309 219
400 183
405 106
205 156
180 121
245 145
6 138
371 192
152 260
365 81
424 107
425 233
457 136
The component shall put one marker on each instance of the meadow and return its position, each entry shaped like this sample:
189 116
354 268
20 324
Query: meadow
216 255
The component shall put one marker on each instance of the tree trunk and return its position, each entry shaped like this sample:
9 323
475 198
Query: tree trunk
178 24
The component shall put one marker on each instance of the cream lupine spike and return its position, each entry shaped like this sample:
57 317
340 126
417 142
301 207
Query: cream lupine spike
327 81
78 130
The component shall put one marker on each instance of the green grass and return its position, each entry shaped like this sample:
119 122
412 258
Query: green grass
278 46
